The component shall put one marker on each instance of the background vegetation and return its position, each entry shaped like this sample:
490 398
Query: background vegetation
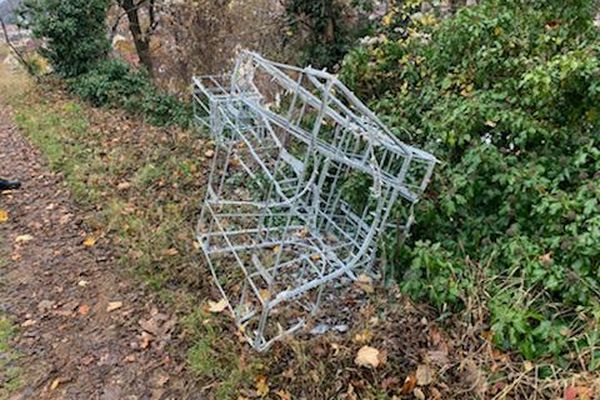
506 94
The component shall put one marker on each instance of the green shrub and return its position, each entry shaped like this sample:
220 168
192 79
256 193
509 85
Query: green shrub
74 32
115 83
507 95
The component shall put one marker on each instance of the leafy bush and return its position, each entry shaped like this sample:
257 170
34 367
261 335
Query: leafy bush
74 32
507 95
115 83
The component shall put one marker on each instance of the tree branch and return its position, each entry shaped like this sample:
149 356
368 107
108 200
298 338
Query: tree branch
17 53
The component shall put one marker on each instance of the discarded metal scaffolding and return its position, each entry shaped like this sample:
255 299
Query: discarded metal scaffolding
304 178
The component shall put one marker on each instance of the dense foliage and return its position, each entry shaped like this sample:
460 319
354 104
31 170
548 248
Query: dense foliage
115 83
507 95
74 32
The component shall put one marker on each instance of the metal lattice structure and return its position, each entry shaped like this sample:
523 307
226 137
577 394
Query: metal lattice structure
304 178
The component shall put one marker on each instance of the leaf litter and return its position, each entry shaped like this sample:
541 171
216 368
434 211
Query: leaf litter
400 333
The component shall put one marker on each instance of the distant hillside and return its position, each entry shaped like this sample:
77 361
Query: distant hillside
7 8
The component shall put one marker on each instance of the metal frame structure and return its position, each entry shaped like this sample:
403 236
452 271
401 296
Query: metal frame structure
303 181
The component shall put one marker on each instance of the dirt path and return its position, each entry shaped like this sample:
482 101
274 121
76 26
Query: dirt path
85 330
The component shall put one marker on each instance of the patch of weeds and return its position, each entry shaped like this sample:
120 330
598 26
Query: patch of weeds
10 373
216 358
148 174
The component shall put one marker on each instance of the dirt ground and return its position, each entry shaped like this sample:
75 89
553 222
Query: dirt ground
86 331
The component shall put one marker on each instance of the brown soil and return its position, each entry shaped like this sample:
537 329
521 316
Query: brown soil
59 291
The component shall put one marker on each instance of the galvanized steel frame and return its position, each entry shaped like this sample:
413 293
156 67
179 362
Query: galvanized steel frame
279 224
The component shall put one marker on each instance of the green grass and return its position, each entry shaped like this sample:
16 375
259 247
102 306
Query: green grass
207 358
10 373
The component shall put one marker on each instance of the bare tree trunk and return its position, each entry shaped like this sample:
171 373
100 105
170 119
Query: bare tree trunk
141 39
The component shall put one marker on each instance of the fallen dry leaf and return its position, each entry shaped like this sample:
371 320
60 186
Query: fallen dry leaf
546 259
365 283
28 323
364 336
114 305
146 339
209 153
162 380
283 394
435 394
84 309
89 241
303 232
571 393
123 185
172 252
409 384
424 375
264 294
55 384
3 216
262 387
217 307
418 393
367 356
23 238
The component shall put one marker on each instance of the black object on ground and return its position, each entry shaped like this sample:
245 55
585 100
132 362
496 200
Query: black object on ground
9 185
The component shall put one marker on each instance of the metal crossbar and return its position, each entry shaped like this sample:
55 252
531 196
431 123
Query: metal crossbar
303 180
